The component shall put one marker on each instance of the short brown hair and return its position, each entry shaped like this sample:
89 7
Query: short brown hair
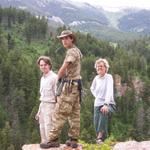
72 36
46 59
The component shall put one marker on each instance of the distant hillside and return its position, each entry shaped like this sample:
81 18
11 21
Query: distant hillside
138 22
67 12
125 24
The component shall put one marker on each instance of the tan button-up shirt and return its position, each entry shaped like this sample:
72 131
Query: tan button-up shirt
48 87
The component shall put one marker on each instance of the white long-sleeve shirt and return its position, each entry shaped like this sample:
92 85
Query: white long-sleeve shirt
48 87
102 90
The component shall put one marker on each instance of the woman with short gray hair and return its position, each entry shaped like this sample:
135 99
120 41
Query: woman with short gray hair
102 90
106 64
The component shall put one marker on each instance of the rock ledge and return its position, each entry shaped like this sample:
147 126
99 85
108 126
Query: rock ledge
37 147
132 145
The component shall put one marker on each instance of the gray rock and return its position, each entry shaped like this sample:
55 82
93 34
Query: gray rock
132 145
37 147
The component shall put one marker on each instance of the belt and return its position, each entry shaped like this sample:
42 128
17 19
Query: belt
71 81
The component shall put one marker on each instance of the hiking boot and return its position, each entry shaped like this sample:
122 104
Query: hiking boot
99 141
103 137
54 143
72 143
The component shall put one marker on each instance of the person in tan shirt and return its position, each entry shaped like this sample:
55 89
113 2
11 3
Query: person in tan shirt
47 97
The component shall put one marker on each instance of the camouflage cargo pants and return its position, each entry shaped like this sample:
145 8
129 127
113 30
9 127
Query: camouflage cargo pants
67 108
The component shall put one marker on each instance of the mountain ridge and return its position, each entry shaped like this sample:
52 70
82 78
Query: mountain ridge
85 17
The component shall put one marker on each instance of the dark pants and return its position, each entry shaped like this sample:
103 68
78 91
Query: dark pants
101 120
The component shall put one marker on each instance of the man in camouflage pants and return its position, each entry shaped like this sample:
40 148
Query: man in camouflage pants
68 103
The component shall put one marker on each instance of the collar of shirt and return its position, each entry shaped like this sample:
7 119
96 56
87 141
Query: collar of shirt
102 77
45 75
73 46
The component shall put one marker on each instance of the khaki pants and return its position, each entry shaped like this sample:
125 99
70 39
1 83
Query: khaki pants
45 119
67 108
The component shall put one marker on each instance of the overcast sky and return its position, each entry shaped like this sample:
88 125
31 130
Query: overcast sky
115 4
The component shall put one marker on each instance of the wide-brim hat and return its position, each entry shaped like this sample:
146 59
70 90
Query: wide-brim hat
65 33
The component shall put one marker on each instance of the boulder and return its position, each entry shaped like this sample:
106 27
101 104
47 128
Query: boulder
132 145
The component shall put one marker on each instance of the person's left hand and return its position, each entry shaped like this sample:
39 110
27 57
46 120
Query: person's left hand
104 109
37 116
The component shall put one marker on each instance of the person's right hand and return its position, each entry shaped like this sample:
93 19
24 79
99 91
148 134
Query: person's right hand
104 110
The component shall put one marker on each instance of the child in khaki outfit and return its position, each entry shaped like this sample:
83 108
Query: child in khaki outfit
47 97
